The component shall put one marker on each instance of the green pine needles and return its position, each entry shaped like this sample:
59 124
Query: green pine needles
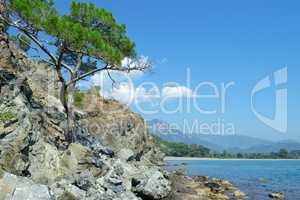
87 29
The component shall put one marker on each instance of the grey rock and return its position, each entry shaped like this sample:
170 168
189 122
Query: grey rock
107 151
65 190
126 154
85 180
18 188
155 186
86 139
128 196
45 164
215 187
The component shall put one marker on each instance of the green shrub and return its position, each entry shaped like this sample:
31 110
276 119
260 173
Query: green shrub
6 116
78 98
94 90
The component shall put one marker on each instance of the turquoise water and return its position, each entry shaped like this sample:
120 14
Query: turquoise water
255 177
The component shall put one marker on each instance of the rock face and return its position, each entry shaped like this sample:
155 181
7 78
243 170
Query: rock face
36 162
119 128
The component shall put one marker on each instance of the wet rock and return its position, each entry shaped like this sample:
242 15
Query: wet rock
214 187
201 178
218 196
278 195
239 195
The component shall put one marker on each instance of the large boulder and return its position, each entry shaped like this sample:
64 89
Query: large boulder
48 164
19 188
65 190
152 185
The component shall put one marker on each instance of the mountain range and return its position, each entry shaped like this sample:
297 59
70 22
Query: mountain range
230 143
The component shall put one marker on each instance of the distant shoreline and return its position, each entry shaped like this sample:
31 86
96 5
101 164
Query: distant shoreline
168 158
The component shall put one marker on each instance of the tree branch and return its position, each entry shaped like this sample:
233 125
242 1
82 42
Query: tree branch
92 72
111 78
137 67
78 62
37 42
27 43
34 39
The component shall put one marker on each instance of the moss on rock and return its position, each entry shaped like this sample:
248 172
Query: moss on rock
6 116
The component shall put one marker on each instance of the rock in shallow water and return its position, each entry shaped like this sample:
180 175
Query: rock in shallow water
239 195
278 195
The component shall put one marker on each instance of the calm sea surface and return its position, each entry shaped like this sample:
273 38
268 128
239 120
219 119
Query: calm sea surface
255 177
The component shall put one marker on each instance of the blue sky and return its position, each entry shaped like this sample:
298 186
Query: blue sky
220 41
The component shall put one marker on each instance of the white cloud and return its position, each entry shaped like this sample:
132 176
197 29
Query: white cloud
131 63
127 93
124 89
123 92
104 78
177 91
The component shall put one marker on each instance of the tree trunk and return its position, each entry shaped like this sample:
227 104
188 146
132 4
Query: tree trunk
5 52
67 99
63 95
71 114
2 11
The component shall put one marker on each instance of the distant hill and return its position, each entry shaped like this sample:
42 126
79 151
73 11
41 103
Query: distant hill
181 149
230 143
289 145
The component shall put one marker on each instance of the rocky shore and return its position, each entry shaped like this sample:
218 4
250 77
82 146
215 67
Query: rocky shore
202 188
114 157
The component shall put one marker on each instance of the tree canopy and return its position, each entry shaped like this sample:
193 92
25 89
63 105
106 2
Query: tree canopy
86 30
